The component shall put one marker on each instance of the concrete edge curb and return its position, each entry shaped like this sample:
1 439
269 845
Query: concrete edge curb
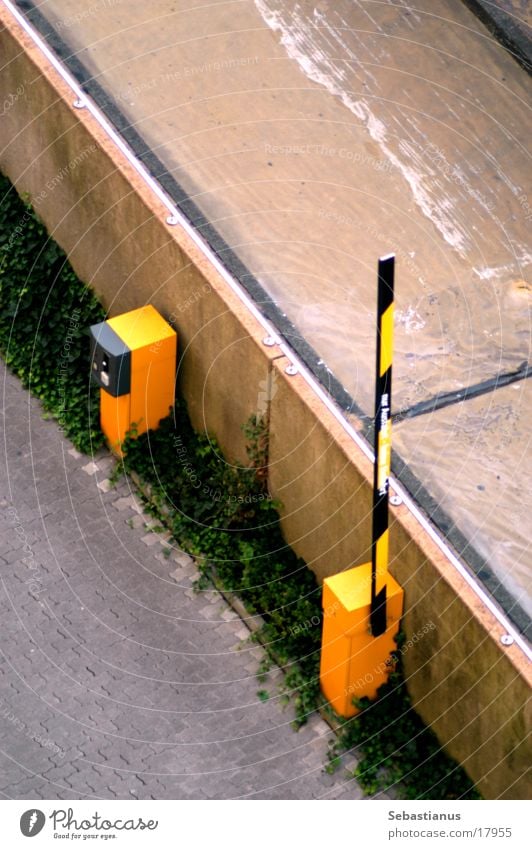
506 30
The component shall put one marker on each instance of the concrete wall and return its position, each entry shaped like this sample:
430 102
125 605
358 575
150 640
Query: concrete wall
464 683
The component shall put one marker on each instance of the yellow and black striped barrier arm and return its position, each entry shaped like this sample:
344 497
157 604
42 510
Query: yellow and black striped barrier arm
383 444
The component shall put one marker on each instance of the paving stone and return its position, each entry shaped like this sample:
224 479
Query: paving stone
137 521
90 468
150 539
128 501
183 559
229 615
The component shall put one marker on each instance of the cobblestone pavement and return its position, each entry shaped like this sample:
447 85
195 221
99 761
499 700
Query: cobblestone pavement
117 680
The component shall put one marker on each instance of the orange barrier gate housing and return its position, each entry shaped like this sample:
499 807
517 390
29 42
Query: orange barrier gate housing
363 605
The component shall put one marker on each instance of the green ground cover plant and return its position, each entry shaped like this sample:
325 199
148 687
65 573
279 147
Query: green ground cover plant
44 311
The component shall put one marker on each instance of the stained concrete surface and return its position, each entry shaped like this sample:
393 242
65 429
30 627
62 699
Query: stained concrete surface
316 136
483 455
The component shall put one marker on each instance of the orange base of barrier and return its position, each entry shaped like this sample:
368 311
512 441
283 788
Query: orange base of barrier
353 662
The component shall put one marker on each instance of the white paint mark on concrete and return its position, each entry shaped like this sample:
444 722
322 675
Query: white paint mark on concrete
410 319
300 38
495 272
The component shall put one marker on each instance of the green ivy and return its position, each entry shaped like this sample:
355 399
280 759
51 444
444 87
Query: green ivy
44 311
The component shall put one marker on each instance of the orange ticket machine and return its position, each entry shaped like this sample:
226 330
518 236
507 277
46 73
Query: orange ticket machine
133 361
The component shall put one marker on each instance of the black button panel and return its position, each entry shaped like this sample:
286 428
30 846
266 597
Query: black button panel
110 360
